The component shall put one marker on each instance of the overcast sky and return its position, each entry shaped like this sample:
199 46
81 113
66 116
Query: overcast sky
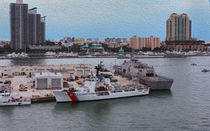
112 18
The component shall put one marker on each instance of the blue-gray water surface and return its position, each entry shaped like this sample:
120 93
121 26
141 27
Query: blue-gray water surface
185 107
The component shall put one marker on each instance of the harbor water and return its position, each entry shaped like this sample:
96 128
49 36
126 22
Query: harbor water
185 107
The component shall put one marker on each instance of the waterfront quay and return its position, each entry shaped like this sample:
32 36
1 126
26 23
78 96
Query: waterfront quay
13 77
39 82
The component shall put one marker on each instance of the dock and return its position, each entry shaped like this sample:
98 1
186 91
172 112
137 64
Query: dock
26 75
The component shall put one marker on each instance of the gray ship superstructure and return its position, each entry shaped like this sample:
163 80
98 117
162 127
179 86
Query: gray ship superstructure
143 73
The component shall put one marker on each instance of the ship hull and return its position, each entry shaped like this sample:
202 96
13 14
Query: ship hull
79 97
164 84
15 103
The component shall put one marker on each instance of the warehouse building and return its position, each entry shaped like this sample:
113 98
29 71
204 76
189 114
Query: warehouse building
48 80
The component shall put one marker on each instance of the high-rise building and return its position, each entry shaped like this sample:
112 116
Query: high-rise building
42 30
179 34
27 27
19 25
32 15
141 42
178 28
38 28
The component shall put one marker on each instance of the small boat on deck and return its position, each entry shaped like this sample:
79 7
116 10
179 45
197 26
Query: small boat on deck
7 100
205 70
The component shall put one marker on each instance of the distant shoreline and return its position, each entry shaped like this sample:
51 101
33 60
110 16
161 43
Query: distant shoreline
80 57
91 57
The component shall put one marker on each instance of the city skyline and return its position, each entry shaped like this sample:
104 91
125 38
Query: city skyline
103 19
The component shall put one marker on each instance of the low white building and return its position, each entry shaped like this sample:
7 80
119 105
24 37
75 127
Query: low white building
45 47
48 80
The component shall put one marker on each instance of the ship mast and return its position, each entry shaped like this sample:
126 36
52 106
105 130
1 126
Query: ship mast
98 68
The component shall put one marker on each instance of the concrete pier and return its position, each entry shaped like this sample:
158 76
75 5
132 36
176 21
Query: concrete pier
24 75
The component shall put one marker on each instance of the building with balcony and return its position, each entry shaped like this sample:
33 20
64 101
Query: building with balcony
139 43
178 34
178 27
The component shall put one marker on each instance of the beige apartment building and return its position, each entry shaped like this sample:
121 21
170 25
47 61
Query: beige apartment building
80 41
142 42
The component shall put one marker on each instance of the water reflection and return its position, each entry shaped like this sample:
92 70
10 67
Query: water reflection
27 62
7 111
7 114
161 94
99 106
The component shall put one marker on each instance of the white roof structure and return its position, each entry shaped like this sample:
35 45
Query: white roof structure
48 74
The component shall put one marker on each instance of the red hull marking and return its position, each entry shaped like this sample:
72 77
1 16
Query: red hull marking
72 96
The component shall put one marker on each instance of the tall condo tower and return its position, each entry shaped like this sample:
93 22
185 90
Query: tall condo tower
19 25
42 30
27 26
38 28
32 25
178 28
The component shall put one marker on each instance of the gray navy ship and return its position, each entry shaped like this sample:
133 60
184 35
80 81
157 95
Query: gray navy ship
143 73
